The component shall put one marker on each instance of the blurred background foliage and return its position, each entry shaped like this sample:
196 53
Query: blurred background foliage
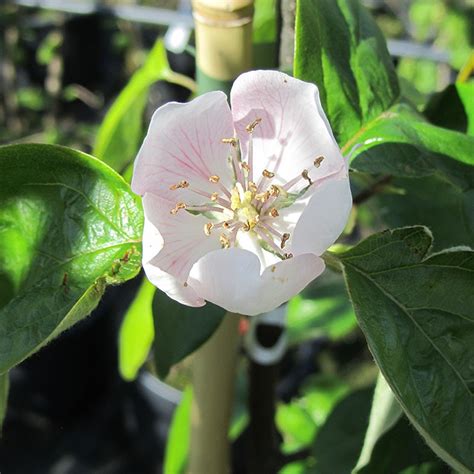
90 82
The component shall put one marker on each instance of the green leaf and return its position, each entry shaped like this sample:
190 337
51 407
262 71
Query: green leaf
400 142
264 35
447 210
384 414
322 309
340 439
122 130
390 444
4 387
180 329
340 48
453 108
137 332
416 313
69 226
177 446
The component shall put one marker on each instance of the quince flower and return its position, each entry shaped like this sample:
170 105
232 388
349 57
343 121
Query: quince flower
241 202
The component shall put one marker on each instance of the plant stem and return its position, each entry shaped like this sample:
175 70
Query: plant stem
213 380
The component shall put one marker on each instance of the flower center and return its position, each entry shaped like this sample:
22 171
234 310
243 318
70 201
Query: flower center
248 206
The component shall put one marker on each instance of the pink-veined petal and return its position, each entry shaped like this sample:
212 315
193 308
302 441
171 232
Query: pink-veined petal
184 142
231 279
182 237
294 130
152 244
324 216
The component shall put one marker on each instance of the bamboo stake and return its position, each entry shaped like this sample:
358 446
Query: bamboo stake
213 380
223 51
223 41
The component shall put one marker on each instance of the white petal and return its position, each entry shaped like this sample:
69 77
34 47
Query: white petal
182 238
293 125
324 216
231 279
184 143
152 244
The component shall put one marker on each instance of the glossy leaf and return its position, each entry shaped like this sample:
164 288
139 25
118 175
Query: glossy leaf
323 309
453 108
4 387
137 332
180 329
70 226
177 446
416 312
340 439
400 142
340 48
122 129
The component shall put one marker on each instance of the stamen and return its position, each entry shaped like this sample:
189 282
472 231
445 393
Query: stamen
252 187
205 208
305 176
268 174
273 212
318 161
251 126
269 241
286 256
214 179
214 197
245 166
284 239
207 228
263 196
231 141
179 205
181 185
274 191
224 240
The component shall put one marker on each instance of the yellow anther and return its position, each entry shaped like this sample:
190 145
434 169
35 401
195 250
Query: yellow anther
305 175
318 161
284 239
267 174
225 224
179 205
180 185
286 256
251 126
224 240
214 196
274 191
274 212
245 166
252 187
208 227
230 141
214 178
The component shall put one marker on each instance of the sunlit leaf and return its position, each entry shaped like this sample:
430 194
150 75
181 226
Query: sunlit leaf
340 48
137 332
122 130
69 226
177 446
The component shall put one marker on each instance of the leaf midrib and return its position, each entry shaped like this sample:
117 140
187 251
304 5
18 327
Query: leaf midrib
410 317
